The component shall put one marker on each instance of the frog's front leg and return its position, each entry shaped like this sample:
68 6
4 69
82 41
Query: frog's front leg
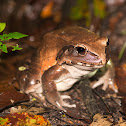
50 89
107 79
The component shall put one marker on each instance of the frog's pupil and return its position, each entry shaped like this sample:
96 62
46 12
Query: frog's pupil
81 50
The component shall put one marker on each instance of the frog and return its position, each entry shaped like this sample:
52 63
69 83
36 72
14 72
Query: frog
64 57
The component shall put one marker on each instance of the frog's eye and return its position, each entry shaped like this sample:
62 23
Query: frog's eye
81 50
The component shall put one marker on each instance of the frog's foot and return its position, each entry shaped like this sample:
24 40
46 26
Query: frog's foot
39 97
65 104
106 80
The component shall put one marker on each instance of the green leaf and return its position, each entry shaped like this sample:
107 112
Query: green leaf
79 10
17 35
3 121
99 8
1 43
122 51
31 121
16 47
2 26
13 35
4 48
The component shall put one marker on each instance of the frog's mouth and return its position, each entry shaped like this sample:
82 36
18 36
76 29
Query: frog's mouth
89 59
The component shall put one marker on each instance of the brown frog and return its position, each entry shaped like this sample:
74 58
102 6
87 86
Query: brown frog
65 56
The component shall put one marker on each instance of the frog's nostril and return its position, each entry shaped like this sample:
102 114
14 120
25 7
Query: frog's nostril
108 42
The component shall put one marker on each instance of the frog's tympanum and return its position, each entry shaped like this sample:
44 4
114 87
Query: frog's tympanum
65 56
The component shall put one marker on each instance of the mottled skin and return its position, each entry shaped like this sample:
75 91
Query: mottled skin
63 58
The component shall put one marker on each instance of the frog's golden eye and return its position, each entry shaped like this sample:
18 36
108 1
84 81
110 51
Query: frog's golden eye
81 50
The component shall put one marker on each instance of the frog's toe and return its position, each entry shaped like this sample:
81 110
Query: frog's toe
65 104
98 83
106 81
65 97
